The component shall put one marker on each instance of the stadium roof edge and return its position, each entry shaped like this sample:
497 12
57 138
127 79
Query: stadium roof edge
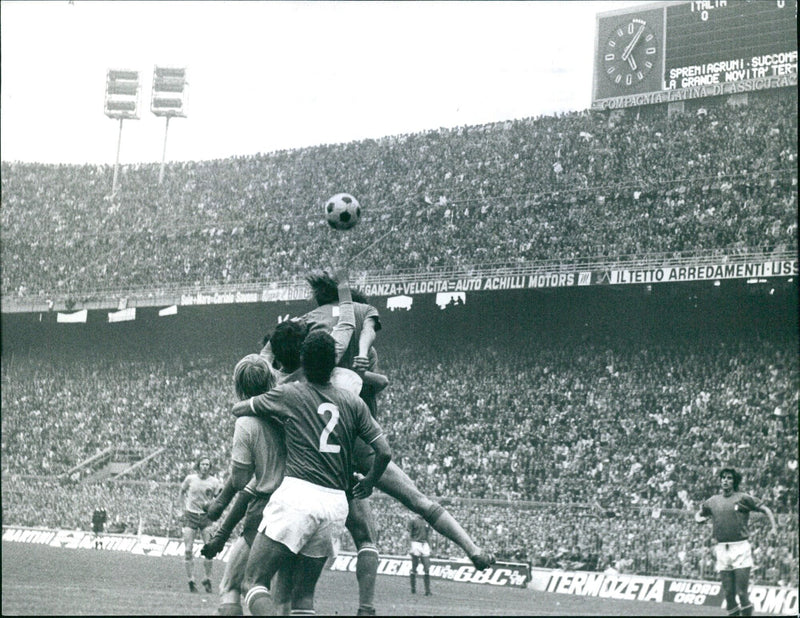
645 6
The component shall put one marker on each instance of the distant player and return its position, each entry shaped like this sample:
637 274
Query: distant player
197 490
420 552
99 519
308 511
729 512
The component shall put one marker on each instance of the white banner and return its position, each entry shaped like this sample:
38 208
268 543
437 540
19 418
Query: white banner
125 315
72 318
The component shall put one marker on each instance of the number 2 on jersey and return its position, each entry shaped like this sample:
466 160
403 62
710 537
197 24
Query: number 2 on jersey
324 446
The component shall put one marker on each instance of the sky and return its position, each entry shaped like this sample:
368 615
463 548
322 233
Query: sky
273 75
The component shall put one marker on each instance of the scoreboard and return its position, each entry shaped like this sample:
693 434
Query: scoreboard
673 51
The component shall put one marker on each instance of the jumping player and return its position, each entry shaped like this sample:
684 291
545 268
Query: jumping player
729 512
420 552
197 490
255 375
308 510
394 481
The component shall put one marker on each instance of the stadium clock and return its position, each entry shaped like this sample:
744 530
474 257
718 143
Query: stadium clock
631 52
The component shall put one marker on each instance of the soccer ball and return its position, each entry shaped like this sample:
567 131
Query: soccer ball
342 211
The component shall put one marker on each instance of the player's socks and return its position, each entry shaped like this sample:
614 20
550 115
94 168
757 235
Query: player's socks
746 610
258 601
366 574
427 579
413 579
445 524
230 609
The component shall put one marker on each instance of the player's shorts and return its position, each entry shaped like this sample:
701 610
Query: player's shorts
255 511
736 555
420 548
196 521
305 517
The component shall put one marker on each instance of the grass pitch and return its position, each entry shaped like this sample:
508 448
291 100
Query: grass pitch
43 580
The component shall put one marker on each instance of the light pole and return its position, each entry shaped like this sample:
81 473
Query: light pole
121 102
168 99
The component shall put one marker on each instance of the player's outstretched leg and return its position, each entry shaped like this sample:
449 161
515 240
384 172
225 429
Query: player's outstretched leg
361 525
399 486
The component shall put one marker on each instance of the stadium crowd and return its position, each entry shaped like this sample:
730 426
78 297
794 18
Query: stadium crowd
575 186
623 437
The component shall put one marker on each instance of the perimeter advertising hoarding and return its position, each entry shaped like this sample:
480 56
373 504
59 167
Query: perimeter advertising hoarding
556 279
772 600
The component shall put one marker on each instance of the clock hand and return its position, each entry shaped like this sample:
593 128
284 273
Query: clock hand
632 62
627 51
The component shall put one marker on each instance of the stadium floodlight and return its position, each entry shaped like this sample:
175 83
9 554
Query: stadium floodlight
122 94
168 99
169 92
121 102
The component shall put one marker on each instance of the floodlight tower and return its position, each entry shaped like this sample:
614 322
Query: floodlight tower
121 101
168 100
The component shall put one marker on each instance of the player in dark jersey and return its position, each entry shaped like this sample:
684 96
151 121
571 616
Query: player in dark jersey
729 512
420 551
394 481
308 510
99 518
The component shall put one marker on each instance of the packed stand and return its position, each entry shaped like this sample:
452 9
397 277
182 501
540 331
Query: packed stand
622 435
567 187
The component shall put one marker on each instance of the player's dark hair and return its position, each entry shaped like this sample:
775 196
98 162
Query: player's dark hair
252 376
318 357
737 478
202 459
325 289
286 342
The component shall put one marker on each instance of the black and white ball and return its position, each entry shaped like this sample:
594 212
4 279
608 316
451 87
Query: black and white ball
342 211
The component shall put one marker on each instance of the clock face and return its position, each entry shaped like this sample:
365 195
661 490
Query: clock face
630 53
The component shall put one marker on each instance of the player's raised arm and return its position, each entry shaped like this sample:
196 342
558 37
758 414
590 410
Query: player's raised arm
770 516
343 331
702 515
